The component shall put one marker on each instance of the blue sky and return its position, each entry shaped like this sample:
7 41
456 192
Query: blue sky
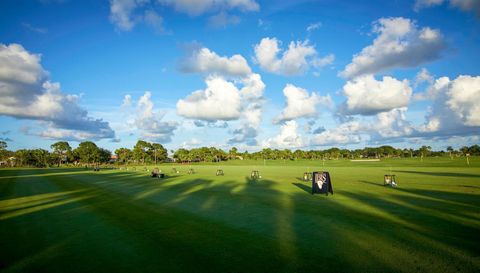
245 73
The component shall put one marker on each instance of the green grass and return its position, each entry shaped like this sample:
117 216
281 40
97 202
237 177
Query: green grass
77 220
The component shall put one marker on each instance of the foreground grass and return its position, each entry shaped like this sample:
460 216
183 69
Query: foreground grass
59 220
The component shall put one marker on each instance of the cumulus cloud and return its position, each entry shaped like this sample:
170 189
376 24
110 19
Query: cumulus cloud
400 44
367 96
345 133
295 60
301 104
125 14
191 143
200 123
391 124
150 121
233 93
464 5
223 19
287 138
26 93
127 101
121 13
202 60
423 76
219 101
199 7
455 109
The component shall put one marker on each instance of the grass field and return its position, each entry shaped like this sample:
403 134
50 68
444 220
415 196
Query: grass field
77 220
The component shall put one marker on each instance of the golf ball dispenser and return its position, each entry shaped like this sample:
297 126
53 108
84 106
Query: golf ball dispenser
389 180
321 183
219 172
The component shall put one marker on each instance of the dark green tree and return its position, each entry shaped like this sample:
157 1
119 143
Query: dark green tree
88 152
141 151
159 152
61 150
124 155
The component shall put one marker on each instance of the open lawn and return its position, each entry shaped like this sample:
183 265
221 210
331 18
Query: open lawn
77 220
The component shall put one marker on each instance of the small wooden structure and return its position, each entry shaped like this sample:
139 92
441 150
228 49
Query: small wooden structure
255 175
219 172
389 180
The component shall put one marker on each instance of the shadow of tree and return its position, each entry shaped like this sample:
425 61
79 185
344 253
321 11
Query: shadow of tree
450 174
188 223
304 187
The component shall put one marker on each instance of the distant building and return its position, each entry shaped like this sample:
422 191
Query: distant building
113 158
170 159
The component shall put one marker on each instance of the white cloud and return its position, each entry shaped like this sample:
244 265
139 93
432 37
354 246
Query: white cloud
121 13
420 4
127 101
198 7
464 5
324 61
154 20
300 104
391 124
399 44
125 14
202 60
223 19
455 109
191 143
219 101
26 93
423 76
345 133
35 29
295 60
287 138
367 96
149 121
222 99
314 26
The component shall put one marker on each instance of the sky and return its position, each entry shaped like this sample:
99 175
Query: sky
249 74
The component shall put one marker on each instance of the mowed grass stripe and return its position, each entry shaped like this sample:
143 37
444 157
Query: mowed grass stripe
182 239
202 222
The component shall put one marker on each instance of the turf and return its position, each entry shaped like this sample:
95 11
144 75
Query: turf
77 220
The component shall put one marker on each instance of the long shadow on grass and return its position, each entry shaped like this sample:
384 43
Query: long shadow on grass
188 223
307 189
450 174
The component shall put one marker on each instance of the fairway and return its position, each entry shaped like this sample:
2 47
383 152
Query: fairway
77 220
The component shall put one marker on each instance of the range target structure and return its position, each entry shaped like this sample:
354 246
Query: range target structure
321 183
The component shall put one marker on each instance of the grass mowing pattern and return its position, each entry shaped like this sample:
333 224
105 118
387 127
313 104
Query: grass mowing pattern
59 220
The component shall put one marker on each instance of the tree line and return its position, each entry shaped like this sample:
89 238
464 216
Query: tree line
87 153
206 154
145 152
